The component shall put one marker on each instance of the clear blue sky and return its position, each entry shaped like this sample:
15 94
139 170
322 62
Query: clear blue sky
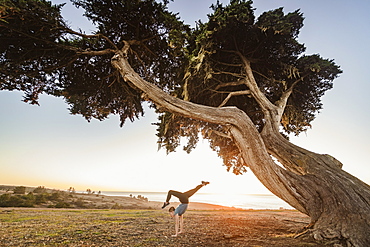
45 145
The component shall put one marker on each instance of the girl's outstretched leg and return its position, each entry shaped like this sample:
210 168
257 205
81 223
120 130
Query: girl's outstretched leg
191 192
171 193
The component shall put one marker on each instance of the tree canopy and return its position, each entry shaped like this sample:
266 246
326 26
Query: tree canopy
40 53
43 55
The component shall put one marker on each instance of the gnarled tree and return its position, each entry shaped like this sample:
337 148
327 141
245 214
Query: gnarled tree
241 82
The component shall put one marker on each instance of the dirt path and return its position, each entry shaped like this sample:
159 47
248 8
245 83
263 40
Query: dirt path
113 228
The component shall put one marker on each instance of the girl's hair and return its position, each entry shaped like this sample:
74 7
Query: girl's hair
171 209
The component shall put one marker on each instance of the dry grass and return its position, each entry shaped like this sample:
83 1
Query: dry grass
109 227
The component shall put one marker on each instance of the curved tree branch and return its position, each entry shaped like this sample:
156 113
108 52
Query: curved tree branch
242 130
228 84
237 93
272 112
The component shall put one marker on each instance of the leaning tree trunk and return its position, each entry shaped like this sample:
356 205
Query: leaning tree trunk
338 203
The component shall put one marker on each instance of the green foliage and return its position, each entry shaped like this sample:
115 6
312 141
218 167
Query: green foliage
37 197
39 53
62 205
7 200
80 203
39 189
20 190
55 196
216 68
30 35
41 198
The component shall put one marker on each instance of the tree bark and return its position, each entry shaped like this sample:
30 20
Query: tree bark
315 184
337 202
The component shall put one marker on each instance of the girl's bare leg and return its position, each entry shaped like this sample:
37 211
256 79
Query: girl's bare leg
181 224
177 223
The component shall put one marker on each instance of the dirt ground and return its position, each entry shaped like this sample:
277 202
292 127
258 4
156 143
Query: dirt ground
150 227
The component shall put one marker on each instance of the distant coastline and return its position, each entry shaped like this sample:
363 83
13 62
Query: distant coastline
135 199
85 200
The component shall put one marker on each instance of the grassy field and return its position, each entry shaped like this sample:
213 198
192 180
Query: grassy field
108 227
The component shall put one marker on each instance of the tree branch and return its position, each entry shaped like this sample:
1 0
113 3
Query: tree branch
221 116
269 109
95 53
71 48
228 73
227 64
99 35
227 84
267 78
240 126
281 103
237 93
219 133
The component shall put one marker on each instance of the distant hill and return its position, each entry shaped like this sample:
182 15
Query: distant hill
41 197
28 189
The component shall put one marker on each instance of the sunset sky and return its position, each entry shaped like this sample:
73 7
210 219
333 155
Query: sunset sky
45 145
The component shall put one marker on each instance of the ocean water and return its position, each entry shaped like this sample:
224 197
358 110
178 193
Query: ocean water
244 201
